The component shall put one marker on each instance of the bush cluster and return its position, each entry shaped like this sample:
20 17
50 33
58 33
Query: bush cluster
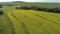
56 10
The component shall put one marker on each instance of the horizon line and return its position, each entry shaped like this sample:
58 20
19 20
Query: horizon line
32 1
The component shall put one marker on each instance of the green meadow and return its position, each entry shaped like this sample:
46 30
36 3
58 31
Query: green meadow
15 21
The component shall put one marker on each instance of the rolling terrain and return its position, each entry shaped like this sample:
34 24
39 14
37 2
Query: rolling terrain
34 22
17 21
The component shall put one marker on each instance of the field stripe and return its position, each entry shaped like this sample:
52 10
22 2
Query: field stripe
29 20
48 17
22 24
35 20
16 25
24 14
11 25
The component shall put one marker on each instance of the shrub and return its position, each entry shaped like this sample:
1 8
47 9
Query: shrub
1 12
0 6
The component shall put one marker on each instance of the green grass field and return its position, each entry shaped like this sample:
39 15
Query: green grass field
4 25
34 22
15 21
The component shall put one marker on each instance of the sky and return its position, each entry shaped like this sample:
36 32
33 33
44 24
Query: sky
31 0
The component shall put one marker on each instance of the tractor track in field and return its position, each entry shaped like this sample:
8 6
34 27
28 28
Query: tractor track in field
26 29
22 24
47 19
53 16
11 25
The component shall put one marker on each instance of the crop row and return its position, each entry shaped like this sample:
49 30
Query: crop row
16 24
33 21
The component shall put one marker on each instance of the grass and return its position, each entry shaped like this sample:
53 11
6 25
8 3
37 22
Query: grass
17 27
5 27
28 21
34 22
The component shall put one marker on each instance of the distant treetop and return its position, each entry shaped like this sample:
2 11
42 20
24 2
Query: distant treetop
18 1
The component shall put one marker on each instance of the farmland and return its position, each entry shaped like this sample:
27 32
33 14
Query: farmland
17 21
4 25
34 22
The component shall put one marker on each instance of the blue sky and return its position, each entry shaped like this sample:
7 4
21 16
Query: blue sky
31 0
